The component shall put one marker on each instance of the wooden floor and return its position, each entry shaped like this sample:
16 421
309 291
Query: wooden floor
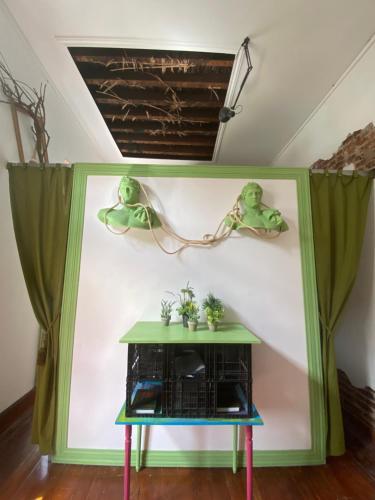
24 475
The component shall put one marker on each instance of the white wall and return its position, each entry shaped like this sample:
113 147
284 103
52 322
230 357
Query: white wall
18 328
123 278
350 106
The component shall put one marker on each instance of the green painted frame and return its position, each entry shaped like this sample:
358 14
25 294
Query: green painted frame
316 454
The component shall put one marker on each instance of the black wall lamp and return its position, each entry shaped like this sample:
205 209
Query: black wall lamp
225 114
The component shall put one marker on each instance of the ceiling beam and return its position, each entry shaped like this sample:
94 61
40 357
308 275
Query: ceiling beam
186 153
152 62
156 132
140 83
168 142
158 102
131 117
169 156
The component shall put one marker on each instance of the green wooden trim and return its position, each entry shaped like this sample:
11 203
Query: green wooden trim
187 458
199 171
318 431
316 454
146 332
69 303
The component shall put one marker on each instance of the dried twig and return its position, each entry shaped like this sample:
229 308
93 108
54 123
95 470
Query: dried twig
29 101
173 103
134 64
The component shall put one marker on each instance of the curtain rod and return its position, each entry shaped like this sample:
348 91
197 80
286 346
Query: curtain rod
38 165
341 171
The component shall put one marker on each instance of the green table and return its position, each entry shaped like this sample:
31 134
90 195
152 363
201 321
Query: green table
153 332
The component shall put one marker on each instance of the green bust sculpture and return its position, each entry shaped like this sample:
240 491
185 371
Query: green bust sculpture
128 216
255 214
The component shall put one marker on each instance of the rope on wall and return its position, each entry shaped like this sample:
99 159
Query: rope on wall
210 239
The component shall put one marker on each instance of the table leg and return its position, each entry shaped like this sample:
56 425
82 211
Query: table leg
249 461
138 449
234 451
128 447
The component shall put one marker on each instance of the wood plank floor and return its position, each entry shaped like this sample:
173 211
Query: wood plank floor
24 475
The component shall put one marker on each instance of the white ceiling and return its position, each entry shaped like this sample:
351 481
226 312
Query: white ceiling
300 48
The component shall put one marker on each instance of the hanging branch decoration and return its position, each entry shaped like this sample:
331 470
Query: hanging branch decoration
258 218
173 104
31 102
172 112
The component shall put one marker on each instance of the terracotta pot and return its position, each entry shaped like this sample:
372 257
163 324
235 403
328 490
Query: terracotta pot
192 326
212 327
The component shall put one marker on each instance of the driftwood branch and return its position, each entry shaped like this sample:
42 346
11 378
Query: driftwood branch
27 100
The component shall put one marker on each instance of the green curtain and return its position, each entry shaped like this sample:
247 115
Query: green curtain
339 212
40 201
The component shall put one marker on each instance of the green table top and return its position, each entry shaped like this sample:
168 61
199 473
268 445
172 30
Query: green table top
153 332
122 419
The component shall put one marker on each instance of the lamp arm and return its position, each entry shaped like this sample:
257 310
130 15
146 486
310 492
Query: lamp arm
245 45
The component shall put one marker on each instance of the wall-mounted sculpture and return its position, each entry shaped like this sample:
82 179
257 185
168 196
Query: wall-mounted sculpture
255 214
132 213
255 217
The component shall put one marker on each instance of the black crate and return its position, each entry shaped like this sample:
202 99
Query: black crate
192 379
151 399
232 362
189 362
189 399
147 361
232 399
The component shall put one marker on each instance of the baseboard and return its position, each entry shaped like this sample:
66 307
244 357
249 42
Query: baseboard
154 458
14 411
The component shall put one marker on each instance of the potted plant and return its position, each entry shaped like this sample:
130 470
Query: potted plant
185 298
213 307
192 316
166 311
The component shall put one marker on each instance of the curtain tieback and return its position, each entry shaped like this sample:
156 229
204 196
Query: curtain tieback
43 341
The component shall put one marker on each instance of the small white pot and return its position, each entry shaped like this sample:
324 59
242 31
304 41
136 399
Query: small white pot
192 326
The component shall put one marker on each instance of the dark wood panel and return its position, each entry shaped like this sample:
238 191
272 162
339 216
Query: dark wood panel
172 141
157 93
167 156
184 95
192 75
131 116
358 403
112 102
141 82
10 414
141 53
187 113
148 62
149 127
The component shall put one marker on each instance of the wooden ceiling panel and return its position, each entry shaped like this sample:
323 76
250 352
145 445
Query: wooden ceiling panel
158 104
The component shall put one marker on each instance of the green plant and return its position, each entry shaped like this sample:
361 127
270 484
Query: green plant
166 308
213 307
214 316
192 312
212 302
185 298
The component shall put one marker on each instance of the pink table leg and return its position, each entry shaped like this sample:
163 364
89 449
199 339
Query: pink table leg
128 446
249 461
